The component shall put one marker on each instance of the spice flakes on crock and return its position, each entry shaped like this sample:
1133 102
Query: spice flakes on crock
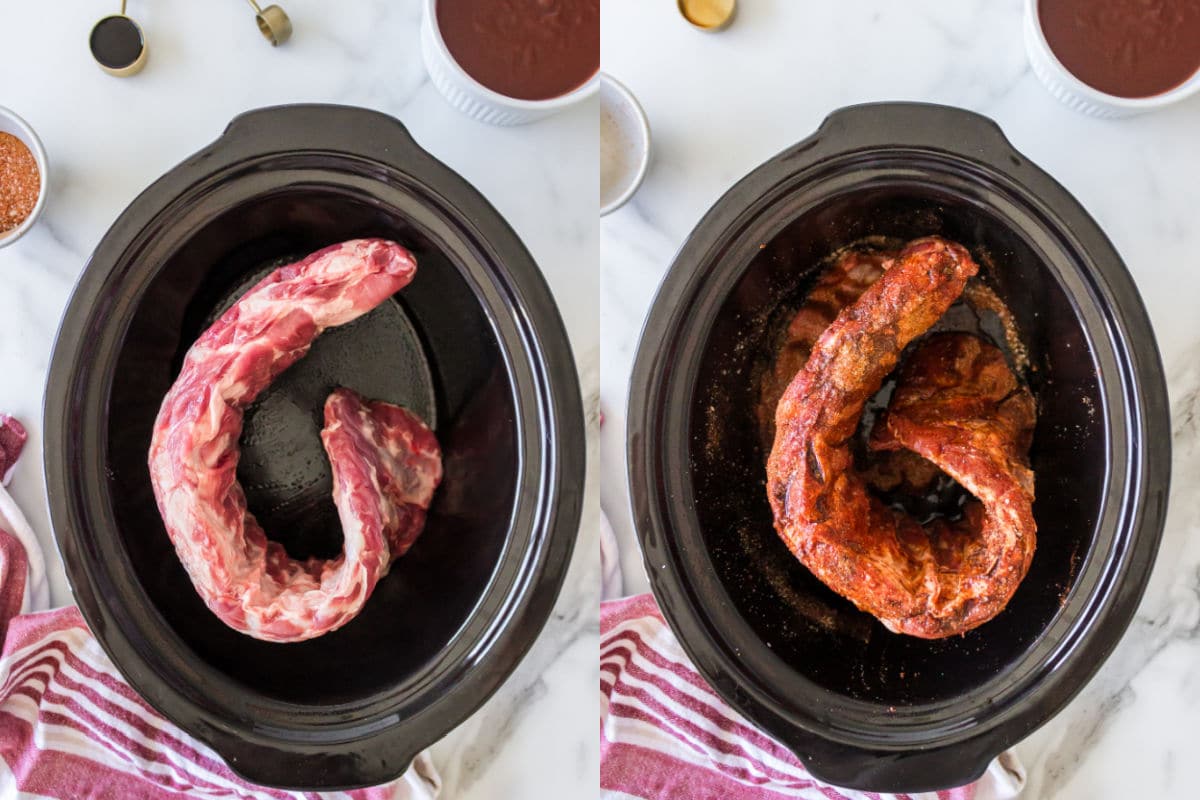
20 182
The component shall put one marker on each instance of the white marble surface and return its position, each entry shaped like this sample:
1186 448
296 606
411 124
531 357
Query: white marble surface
719 104
108 138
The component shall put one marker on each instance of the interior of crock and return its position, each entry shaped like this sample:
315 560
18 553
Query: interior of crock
431 348
816 632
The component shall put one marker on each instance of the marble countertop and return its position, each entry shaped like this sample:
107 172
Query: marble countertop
108 138
720 104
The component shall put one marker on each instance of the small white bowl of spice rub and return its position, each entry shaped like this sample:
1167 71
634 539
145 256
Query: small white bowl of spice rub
22 177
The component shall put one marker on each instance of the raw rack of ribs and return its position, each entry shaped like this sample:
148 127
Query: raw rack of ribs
958 405
385 462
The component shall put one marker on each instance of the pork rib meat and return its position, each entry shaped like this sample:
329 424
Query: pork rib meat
385 462
381 451
956 404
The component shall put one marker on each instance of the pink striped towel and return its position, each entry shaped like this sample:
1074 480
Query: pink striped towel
665 735
71 728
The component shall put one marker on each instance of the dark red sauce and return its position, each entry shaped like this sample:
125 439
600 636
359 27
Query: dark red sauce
1127 48
527 49
116 42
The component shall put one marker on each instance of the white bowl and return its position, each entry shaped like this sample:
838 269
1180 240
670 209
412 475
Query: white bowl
624 144
1077 94
12 124
473 98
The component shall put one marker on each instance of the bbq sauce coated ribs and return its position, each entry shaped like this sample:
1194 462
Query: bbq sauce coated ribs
956 404
385 462
837 287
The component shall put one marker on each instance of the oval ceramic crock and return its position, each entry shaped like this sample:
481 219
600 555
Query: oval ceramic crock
862 707
475 345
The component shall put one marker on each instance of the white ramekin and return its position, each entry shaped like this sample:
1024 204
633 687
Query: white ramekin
13 124
1078 95
614 96
473 98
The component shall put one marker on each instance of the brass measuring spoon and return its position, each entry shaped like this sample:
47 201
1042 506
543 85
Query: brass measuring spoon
708 15
273 23
118 45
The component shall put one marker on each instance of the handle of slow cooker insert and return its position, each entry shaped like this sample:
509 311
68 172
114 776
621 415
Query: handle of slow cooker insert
317 127
893 771
916 125
362 133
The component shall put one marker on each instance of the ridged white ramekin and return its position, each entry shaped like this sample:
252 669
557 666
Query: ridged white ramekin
473 98
1078 95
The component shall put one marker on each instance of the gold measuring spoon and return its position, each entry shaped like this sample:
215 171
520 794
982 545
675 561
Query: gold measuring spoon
118 45
273 23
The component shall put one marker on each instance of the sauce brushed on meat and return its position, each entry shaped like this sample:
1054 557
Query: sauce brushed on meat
956 404
385 462
837 287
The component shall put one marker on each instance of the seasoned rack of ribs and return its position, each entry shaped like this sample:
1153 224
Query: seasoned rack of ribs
837 287
385 462
958 405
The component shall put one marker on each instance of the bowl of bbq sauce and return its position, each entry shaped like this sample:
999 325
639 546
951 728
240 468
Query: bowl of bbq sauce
508 62
1115 58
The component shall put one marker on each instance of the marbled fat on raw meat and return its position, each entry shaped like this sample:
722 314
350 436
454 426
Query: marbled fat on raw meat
247 580
378 450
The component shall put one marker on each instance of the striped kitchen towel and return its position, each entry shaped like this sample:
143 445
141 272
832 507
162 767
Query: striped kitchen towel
72 729
29 588
665 735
